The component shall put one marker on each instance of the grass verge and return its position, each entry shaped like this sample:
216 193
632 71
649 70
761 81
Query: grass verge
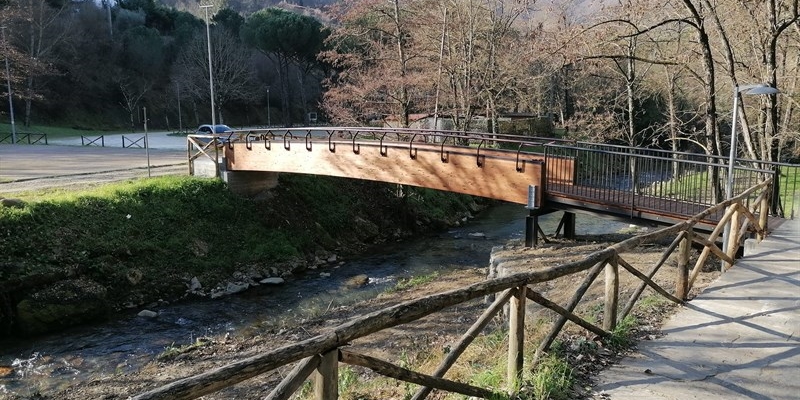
142 240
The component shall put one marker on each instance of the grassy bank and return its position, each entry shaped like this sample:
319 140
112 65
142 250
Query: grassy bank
135 242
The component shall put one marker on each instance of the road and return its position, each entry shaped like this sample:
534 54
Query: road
33 167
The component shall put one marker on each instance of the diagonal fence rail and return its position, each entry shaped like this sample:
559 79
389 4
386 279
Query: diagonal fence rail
319 357
24 138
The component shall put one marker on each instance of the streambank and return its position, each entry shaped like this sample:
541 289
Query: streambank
134 354
74 257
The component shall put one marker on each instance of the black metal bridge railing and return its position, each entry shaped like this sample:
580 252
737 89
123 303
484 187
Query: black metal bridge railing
673 182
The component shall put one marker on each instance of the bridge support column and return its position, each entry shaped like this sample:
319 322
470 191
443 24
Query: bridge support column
568 221
247 183
532 229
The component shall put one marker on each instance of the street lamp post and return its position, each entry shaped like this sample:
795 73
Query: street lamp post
210 73
737 90
10 97
269 121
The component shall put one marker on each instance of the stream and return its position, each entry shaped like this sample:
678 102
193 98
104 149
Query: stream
126 343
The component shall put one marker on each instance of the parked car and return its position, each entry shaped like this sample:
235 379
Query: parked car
212 129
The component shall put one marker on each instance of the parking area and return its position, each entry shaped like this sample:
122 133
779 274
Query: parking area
25 162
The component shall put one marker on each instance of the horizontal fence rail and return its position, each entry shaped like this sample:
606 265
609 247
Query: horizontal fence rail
319 356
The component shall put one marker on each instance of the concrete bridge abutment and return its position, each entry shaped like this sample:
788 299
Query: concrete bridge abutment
250 183
243 183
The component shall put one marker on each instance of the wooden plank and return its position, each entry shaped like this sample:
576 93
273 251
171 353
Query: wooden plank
387 369
227 375
495 177
576 298
763 217
465 341
733 237
295 379
538 298
647 280
653 270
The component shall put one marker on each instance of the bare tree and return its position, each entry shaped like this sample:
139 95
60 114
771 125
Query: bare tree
132 91
382 61
233 74
42 27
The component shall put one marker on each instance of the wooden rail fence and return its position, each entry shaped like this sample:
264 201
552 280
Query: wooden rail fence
320 356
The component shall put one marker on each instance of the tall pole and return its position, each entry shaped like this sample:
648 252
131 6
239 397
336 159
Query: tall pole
737 91
269 120
107 3
180 119
210 74
8 84
732 155
146 142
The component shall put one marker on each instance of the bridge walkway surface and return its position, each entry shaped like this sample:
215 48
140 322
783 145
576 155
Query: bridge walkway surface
739 339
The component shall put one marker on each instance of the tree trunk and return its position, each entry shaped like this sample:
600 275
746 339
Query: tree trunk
301 81
403 94
283 74
711 130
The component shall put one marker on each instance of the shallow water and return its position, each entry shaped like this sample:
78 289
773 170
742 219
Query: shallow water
126 343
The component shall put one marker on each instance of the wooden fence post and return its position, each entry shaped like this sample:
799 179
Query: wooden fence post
326 377
733 238
763 216
611 298
684 255
516 338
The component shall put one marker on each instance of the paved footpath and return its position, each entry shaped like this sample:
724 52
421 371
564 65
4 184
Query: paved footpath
739 339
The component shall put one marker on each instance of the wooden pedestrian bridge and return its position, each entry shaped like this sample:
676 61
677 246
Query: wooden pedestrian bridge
546 174
572 176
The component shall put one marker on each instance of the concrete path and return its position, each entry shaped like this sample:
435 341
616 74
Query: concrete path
739 339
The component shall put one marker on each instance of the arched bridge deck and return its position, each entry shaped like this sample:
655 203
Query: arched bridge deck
653 185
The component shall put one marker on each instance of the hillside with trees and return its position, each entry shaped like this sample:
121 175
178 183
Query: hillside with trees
635 72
